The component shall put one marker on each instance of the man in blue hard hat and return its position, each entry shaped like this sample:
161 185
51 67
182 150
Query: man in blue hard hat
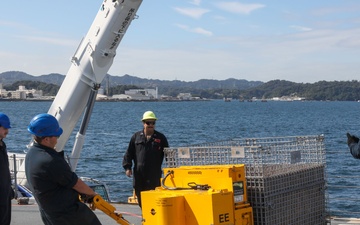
6 191
55 187
146 153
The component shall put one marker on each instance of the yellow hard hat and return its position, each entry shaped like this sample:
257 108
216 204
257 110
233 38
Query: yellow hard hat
149 115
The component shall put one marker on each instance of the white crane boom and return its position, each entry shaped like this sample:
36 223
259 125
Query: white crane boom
89 66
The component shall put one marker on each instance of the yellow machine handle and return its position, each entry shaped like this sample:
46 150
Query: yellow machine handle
99 203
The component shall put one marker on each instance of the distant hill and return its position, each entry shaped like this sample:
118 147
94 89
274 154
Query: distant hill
204 88
319 91
10 77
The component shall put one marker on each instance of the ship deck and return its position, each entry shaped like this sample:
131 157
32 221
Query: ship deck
29 214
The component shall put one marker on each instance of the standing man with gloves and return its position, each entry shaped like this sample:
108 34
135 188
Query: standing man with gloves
6 191
144 156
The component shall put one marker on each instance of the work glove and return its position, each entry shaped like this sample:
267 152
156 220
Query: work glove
86 198
351 139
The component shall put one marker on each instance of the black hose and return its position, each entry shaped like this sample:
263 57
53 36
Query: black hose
192 185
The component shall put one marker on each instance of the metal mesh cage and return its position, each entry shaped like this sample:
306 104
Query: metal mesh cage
285 176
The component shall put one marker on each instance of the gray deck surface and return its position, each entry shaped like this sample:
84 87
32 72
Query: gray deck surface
29 214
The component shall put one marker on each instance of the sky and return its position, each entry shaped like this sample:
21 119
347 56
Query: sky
188 40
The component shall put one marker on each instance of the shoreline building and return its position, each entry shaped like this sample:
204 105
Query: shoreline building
138 94
21 93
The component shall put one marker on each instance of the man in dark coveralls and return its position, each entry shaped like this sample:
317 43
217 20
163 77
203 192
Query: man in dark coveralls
146 150
6 191
55 187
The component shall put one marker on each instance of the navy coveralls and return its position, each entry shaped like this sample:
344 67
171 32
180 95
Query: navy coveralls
147 156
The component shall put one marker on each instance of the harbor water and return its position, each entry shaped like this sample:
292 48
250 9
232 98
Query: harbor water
194 122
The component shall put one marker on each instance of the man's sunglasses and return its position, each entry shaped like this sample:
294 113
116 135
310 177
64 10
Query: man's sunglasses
150 122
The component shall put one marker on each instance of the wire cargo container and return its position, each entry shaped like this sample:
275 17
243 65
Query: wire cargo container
285 176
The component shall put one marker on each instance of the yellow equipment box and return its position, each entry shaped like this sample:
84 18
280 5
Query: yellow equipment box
187 207
198 195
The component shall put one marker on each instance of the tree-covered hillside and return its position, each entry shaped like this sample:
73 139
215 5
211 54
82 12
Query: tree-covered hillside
321 91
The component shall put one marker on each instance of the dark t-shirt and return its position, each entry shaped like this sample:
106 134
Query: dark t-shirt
50 179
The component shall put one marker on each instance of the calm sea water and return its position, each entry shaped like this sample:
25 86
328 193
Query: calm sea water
188 123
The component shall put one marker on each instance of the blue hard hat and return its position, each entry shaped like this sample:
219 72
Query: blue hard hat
4 121
44 125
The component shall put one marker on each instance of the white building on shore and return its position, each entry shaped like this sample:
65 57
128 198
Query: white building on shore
21 93
138 94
